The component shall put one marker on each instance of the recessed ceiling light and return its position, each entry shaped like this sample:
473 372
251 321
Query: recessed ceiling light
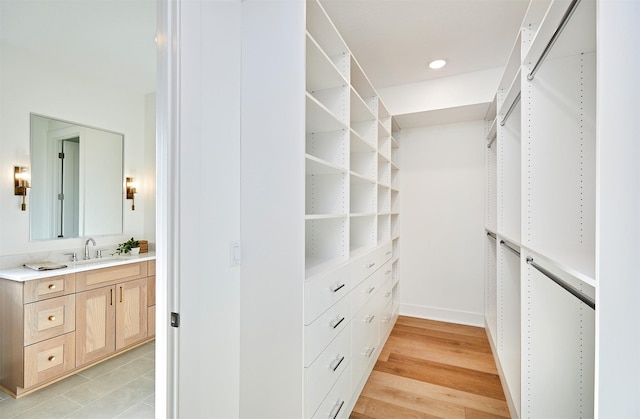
437 64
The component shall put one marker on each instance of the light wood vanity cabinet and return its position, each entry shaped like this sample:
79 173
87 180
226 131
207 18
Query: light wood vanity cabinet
54 326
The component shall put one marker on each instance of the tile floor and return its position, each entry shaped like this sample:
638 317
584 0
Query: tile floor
122 387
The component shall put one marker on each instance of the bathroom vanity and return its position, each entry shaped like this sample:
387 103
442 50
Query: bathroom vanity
58 322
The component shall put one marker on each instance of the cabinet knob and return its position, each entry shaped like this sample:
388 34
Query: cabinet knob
51 358
370 265
51 318
52 286
369 318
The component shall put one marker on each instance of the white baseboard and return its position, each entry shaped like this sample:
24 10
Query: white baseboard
441 314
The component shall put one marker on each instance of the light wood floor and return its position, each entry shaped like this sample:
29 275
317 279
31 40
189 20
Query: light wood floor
430 369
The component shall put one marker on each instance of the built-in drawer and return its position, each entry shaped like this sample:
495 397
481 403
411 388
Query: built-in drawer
55 286
365 337
386 252
388 310
369 287
323 291
48 359
334 406
364 265
326 369
97 278
325 328
49 318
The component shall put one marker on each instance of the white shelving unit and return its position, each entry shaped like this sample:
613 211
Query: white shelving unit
352 222
541 184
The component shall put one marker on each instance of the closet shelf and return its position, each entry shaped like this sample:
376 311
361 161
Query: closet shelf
316 166
319 118
580 266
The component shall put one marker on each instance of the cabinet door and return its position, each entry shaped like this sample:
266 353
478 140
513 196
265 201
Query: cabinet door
95 324
131 312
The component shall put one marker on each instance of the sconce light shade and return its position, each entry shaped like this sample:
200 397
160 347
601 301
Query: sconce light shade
21 183
131 191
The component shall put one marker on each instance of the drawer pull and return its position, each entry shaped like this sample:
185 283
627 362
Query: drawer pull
369 351
111 296
388 272
369 290
338 405
337 363
52 286
369 318
387 294
387 253
52 318
51 358
336 288
336 322
121 294
370 265
386 319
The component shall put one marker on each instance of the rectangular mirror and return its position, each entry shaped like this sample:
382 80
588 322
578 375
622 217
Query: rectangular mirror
76 180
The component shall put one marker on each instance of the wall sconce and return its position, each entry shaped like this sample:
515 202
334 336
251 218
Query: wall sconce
131 191
21 183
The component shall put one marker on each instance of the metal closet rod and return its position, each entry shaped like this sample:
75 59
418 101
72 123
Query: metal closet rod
513 105
493 139
502 242
565 19
576 293
493 236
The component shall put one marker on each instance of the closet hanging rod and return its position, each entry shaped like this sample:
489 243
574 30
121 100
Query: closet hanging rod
565 19
502 242
513 105
493 139
576 293
493 236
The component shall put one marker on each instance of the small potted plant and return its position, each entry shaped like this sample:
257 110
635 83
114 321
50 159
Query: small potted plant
131 247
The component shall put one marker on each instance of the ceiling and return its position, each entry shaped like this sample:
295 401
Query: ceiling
394 40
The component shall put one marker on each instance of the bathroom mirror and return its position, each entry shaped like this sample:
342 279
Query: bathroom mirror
76 180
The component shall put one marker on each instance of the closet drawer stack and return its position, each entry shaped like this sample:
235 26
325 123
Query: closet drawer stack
541 185
352 222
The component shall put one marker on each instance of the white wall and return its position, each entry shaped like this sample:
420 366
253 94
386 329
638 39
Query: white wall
26 88
442 223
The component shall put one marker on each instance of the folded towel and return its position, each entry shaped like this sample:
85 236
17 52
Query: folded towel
44 266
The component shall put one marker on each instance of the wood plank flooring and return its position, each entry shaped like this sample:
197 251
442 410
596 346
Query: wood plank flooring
430 369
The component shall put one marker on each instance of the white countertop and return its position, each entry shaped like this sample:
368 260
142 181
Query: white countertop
23 274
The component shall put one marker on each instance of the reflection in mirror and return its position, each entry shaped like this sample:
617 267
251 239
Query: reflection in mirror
76 180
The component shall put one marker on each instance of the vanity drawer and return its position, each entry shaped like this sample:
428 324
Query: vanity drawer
55 286
323 291
325 328
49 318
97 278
49 359
151 267
325 370
334 406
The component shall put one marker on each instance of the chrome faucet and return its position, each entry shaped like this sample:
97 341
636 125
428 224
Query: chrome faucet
86 248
